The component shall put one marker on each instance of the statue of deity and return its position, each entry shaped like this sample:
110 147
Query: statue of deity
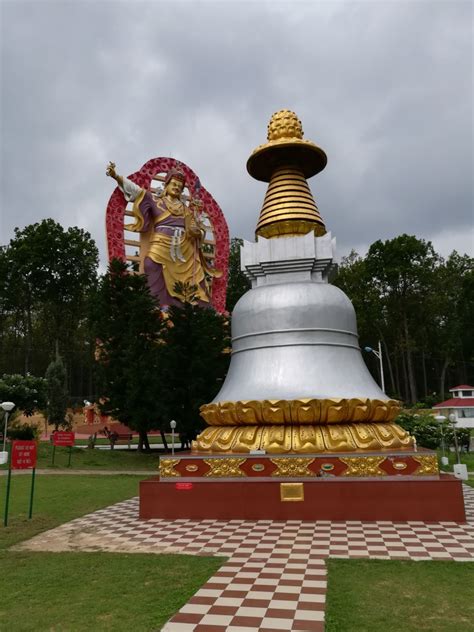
174 257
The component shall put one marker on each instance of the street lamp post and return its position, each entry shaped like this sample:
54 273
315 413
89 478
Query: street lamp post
459 469
378 354
173 426
441 419
7 407
452 419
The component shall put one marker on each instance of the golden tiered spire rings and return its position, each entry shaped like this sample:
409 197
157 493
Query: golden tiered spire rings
285 161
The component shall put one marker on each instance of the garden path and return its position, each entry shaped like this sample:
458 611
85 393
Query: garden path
275 575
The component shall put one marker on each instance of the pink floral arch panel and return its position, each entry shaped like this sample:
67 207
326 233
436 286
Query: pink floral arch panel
116 213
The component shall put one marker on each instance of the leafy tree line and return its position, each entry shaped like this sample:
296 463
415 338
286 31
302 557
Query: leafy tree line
47 274
149 368
102 338
420 306
48 280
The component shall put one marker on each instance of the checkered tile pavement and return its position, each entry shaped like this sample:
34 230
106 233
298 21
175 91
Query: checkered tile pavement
275 577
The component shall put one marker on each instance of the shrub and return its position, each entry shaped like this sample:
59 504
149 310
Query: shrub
27 392
24 432
429 433
463 434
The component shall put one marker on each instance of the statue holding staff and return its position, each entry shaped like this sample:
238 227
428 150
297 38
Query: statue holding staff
174 255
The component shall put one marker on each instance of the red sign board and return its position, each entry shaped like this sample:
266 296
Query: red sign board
65 439
23 455
183 486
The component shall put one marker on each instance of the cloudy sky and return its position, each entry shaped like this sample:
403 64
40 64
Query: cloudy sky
386 88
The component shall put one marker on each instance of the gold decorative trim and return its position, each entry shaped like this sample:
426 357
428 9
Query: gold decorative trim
291 492
364 466
428 465
399 465
225 468
291 228
327 467
291 466
279 439
301 411
191 468
167 467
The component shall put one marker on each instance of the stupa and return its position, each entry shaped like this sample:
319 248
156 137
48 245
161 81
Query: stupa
297 382
299 429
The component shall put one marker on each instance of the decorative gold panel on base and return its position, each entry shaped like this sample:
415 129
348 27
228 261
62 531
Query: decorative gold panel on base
291 492
300 411
428 464
303 439
386 464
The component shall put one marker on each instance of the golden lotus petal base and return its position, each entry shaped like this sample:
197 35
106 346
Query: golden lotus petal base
300 411
313 439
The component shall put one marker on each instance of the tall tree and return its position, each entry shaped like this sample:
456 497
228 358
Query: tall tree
28 393
194 358
57 394
452 335
237 283
128 326
47 274
354 279
420 307
402 271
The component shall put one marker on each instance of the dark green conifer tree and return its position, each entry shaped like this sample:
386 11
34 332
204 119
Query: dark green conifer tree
57 394
237 282
194 361
128 327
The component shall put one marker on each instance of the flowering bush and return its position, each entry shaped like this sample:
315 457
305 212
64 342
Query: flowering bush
429 433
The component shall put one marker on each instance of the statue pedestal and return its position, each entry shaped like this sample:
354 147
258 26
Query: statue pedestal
392 486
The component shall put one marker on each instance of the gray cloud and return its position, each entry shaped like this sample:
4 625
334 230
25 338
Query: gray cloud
384 88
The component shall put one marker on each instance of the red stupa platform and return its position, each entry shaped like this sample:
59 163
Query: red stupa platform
394 486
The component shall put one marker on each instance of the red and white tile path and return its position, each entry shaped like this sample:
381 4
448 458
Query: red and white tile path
275 576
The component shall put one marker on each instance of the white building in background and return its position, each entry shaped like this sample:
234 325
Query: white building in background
461 404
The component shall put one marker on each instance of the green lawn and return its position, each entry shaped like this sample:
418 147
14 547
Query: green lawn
84 459
64 592
389 596
58 499
466 457
69 592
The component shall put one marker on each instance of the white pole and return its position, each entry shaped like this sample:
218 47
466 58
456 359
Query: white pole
453 420
381 367
173 426
5 430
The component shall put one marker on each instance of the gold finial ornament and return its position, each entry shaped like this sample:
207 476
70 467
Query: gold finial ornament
284 124
285 161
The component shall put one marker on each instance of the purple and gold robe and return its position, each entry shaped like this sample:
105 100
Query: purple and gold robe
172 253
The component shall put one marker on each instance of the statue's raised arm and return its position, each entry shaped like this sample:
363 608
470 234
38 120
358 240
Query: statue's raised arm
130 190
113 174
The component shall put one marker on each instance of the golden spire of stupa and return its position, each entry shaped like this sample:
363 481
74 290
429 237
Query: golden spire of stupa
285 161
